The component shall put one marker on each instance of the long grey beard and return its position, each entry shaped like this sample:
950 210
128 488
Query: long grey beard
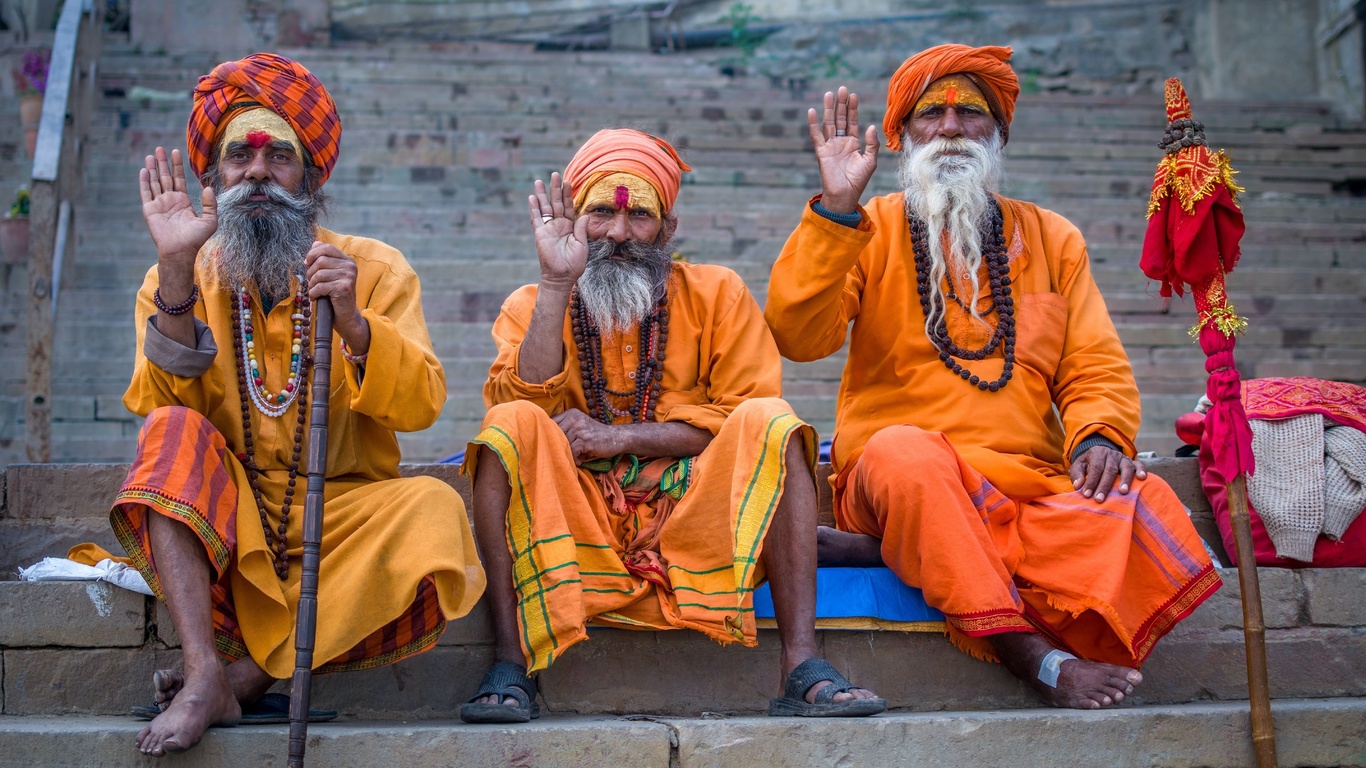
952 194
263 243
619 292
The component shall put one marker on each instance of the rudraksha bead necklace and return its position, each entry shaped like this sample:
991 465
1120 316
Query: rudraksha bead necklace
654 337
998 271
301 361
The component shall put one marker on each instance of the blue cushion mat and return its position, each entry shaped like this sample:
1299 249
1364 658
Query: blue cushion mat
858 593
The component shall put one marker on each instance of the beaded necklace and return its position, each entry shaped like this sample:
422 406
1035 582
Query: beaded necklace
654 337
253 388
998 270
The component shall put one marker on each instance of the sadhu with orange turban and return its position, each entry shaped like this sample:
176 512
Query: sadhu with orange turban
984 433
637 468
210 511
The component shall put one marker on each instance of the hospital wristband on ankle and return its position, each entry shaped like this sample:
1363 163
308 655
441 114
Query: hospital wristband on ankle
1052 666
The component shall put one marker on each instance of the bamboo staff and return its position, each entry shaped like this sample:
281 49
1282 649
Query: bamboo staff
305 629
1254 630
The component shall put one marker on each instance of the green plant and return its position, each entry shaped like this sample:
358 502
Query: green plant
740 16
20 205
835 65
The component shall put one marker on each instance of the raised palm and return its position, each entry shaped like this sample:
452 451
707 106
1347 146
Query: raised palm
846 159
561 237
176 229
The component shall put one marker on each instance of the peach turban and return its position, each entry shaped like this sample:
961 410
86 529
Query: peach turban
623 150
266 80
988 67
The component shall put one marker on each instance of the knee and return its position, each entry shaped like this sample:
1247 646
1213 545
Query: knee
907 447
514 415
762 406
166 415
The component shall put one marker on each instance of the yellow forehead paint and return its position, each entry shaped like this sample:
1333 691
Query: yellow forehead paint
621 191
257 128
952 91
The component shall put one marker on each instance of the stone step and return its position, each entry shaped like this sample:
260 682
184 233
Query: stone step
1310 732
81 649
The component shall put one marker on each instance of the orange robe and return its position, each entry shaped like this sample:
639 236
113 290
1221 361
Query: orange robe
577 556
1006 451
383 535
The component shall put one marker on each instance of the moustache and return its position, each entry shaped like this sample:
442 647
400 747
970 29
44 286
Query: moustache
243 195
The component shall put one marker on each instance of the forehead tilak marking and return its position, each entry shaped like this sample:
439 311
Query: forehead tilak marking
622 197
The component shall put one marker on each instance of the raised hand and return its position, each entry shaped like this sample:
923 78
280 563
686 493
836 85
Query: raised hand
176 229
561 236
847 161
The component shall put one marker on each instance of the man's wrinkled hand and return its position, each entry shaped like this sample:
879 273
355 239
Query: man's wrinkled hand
846 159
589 438
332 273
1094 473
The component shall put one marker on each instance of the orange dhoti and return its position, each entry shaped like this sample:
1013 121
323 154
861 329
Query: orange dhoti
577 557
397 555
1103 581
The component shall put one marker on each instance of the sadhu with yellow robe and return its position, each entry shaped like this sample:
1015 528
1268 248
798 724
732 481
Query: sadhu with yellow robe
984 436
211 511
637 467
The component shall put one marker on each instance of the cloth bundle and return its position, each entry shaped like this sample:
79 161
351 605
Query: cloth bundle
1310 480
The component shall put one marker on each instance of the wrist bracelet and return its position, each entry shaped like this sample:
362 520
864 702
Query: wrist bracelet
353 359
177 309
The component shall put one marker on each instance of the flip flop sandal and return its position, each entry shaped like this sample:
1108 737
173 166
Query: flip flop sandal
793 703
505 680
270 709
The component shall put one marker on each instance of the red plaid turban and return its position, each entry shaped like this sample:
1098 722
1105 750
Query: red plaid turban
285 87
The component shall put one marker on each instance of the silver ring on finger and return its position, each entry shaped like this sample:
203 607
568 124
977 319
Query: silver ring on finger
547 218
839 131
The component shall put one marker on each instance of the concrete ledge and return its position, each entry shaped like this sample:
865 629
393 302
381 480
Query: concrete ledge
1308 733
74 614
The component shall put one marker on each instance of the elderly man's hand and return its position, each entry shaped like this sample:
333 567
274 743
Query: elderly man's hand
845 171
332 273
1094 472
561 235
176 229
588 438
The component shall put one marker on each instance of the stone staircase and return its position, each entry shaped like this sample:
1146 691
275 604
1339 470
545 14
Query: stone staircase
441 145
75 656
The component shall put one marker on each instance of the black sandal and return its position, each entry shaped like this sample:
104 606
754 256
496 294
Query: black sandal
504 680
793 703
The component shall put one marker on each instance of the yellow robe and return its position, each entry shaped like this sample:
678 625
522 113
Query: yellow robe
382 534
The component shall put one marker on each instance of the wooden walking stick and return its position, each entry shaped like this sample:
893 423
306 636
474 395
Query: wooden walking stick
1194 230
1254 630
305 630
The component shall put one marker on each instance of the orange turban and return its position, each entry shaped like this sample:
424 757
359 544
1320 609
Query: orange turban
988 67
284 87
623 150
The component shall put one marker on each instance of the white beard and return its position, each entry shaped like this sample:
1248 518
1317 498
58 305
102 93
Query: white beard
262 244
952 194
619 292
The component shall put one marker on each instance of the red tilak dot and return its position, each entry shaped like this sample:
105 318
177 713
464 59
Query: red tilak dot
258 139
623 197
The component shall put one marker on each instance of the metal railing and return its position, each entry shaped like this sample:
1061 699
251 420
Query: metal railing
55 182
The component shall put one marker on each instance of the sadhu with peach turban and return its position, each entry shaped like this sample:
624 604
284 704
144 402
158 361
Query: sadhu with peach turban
264 81
629 157
636 450
987 67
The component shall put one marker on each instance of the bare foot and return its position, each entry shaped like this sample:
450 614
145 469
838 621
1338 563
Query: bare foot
841 549
198 704
167 683
249 683
1081 684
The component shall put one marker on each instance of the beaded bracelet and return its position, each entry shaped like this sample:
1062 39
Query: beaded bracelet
178 309
353 359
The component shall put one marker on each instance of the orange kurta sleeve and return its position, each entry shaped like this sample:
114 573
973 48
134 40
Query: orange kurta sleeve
1094 386
504 385
816 284
153 386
